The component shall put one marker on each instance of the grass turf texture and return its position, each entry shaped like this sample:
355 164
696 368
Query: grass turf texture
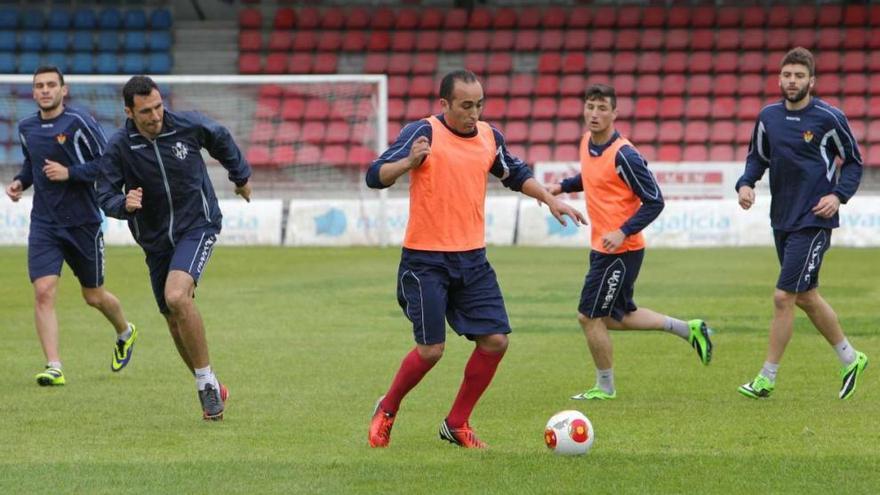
307 339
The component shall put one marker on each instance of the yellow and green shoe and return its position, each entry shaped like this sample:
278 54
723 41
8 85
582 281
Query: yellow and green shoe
123 350
50 377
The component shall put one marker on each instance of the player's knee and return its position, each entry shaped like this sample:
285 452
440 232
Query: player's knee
431 353
44 294
177 300
93 298
783 300
583 319
807 300
495 343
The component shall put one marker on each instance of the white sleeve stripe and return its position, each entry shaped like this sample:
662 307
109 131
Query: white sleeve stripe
77 137
759 141
656 189
500 154
404 147
852 140
823 149
100 150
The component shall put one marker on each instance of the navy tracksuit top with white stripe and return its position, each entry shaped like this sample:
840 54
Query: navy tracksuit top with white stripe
800 149
73 139
178 196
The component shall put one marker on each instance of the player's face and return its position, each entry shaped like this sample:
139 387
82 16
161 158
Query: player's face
147 113
599 115
48 91
463 111
795 82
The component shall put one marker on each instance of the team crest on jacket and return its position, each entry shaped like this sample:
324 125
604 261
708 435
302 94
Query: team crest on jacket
61 138
179 150
808 136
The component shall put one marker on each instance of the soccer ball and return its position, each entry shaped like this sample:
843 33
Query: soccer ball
569 433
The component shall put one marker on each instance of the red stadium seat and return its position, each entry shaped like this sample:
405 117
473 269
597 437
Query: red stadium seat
605 18
573 107
624 84
695 153
522 84
317 109
455 19
600 62
725 62
285 18
568 131
575 40
358 18
802 37
722 153
629 17
728 17
645 131
703 16
418 108
855 84
331 41
548 85
856 38
424 63
874 68
623 63
250 41
646 108
475 62
722 131
305 41
480 18
544 108
250 19
674 85
872 135
570 85
830 15
454 41
648 152
550 63
262 132
750 85
727 39
648 85
652 39
376 63
855 15
579 17
669 153
872 157
724 85
267 108
565 153
403 41
700 85
360 156
554 18
854 61
334 155
671 108
779 16
276 63
421 86
653 17
338 132
574 63
723 108
753 39
777 39
516 132
859 130
379 41
602 39
698 107
382 18
400 63
354 41
744 132
804 16
259 156
749 107
406 19
650 62
504 18
249 63
527 41
325 63
854 107
288 132
499 63
494 109
696 131
678 17
829 39
680 39
529 18
627 39
701 39
293 109
308 18
551 40
675 63
394 128
541 132
333 18
753 17
497 85
624 127
539 153
519 108
701 62
502 41
428 41
751 62
827 62
431 18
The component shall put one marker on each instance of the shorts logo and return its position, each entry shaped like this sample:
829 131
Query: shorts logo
613 283
808 136
814 261
206 251
179 150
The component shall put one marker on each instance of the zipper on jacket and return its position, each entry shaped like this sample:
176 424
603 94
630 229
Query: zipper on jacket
167 192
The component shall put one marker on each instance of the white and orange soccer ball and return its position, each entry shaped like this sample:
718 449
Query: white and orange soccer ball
569 433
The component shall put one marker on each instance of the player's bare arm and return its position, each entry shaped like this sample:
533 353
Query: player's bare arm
14 190
133 200
420 150
827 206
746 197
55 171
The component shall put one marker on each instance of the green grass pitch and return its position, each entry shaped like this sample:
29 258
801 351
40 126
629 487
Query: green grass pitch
306 339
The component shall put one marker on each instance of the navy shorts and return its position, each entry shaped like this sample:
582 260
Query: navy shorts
461 288
800 255
82 247
610 283
190 255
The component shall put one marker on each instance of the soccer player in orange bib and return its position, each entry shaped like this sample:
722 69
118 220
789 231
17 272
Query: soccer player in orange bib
444 274
622 199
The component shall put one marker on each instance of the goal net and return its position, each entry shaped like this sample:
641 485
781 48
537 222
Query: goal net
310 135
